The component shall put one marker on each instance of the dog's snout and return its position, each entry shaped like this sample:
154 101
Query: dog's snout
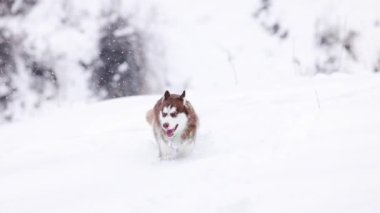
165 125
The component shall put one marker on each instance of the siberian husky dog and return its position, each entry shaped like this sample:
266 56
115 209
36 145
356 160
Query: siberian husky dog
175 124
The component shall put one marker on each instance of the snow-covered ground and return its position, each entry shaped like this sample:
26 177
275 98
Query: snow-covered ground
308 145
270 140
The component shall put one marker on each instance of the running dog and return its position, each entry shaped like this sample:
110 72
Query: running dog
174 124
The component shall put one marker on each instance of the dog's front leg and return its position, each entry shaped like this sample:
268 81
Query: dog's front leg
160 155
164 150
160 144
161 149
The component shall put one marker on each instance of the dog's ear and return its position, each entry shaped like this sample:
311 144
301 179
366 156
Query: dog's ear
183 94
166 95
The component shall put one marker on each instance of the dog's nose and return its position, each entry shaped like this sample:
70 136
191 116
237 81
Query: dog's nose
165 125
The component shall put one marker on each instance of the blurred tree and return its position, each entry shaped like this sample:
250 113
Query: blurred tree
7 70
334 44
15 7
119 70
264 17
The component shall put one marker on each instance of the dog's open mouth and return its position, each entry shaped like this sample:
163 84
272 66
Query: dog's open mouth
170 132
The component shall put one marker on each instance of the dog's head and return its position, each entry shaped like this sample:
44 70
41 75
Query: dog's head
173 114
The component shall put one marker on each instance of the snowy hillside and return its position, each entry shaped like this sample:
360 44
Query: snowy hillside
68 51
309 145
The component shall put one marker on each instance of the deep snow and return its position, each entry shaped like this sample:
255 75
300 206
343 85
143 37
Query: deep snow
308 145
269 140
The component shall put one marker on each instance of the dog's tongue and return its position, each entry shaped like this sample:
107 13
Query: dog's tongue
170 132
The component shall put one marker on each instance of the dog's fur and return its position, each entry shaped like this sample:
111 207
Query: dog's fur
174 123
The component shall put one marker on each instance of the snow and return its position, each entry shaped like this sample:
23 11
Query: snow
309 145
223 39
271 139
185 39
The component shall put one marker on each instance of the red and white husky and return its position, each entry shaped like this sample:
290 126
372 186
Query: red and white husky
175 124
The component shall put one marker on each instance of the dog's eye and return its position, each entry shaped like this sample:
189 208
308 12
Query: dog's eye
164 114
173 114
